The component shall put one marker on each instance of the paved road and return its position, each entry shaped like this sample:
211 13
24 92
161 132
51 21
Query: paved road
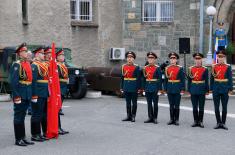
96 129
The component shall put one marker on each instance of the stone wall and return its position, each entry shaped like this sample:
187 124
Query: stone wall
161 38
118 24
49 20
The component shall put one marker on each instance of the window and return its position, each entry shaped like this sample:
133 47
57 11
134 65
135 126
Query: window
81 10
158 11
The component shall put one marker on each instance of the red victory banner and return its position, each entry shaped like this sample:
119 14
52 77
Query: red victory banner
54 100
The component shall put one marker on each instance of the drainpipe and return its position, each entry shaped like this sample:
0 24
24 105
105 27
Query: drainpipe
201 29
25 12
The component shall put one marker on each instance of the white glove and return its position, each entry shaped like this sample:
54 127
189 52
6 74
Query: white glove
34 100
17 102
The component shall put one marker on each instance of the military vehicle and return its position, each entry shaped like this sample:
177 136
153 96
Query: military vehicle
107 79
77 86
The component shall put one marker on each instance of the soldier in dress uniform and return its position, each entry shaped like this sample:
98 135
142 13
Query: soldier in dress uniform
198 88
130 85
152 86
221 86
220 37
39 112
63 76
21 82
175 86
47 55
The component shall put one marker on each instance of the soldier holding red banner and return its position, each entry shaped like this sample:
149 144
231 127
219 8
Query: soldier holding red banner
63 77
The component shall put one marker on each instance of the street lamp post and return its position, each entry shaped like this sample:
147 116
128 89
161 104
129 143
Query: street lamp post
211 11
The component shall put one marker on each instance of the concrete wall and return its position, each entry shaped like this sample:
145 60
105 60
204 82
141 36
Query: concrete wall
110 28
49 20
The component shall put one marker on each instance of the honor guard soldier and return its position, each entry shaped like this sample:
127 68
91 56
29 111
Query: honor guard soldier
21 82
220 37
63 76
130 85
198 88
175 86
47 55
221 86
39 109
152 86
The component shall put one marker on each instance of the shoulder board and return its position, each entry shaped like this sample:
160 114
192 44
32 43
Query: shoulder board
16 62
136 64
228 64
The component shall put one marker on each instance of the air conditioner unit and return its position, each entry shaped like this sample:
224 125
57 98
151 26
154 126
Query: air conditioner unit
117 54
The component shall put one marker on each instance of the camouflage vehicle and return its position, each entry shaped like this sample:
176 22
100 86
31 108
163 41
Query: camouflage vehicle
77 86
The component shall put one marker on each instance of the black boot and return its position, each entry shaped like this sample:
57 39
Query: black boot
150 120
39 135
61 131
218 126
134 109
155 121
61 112
171 117
128 111
34 128
133 118
44 126
18 140
155 116
224 115
36 138
36 131
195 117
177 113
24 137
218 119
126 119
200 123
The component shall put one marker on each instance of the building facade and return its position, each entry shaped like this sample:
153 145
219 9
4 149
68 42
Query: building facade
91 27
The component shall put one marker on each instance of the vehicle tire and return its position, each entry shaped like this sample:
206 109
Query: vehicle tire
79 90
